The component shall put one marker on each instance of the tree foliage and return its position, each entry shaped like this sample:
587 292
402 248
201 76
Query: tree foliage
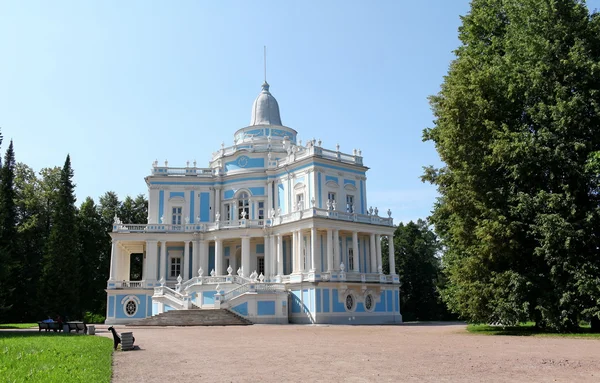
516 126
9 262
418 265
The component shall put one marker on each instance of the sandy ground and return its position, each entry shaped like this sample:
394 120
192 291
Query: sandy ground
407 353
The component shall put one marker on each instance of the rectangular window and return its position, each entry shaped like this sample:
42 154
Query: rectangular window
330 200
175 267
261 210
227 216
176 216
261 265
350 203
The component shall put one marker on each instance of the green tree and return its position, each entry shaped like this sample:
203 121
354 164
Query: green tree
9 259
516 125
61 264
94 271
134 211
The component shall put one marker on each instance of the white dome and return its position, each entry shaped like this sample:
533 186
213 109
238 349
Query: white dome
265 110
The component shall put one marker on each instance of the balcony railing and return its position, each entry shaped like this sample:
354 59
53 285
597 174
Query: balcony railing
254 223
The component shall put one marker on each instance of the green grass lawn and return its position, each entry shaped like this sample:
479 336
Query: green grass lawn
4 326
527 329
54 357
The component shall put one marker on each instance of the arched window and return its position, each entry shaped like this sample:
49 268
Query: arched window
243 205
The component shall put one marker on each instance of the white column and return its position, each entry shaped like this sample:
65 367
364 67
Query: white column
194 258
378 245
163 260
151 260
313 249
336 245
218 256
267 259
246 256
186 260
330 266
204 256
373 253
113 261
392 255
279 255
355 251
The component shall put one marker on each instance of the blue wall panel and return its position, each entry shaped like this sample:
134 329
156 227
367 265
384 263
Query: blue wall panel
260 248
265 307
325 300
380 307
331 178
305 301
161 204
241 309
318 300
192 207
228 194
319 188
390 302
337 306
141 308
396 301
296 301
281 199
209 297
111 306
176 195
257 191
204 206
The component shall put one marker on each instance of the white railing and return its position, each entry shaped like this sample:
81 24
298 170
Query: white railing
257 287
167 292
129 284
188 171
235 292
210 280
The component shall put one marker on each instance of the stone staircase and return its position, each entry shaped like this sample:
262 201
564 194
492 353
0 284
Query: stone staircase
195 317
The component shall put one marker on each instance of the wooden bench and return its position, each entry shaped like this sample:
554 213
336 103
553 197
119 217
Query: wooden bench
77 326
55 326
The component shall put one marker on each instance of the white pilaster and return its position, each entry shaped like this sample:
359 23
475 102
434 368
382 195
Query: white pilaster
294 252
218 204
355 252
186 260
313 249
246 256
330 265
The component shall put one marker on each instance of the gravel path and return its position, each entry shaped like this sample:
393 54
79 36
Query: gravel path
408 353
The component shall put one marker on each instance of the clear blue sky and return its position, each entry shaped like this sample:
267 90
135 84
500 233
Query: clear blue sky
118 84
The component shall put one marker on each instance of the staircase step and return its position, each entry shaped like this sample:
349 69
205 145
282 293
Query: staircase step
195 317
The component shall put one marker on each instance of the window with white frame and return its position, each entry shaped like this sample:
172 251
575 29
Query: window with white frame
227 215
350 203
243 206
175 267
261 210
300 201
177 211
330 200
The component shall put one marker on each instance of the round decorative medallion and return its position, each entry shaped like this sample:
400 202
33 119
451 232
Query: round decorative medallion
130 308
369 302
349 302
242 161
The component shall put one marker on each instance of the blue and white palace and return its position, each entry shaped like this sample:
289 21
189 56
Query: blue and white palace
273 229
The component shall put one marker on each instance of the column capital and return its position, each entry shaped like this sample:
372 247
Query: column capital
187 242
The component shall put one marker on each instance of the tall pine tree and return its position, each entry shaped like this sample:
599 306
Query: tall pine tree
61 283
516 124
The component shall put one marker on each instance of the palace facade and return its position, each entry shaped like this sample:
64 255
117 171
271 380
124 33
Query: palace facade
273 229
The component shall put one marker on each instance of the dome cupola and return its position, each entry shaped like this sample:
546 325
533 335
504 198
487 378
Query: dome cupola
265 110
